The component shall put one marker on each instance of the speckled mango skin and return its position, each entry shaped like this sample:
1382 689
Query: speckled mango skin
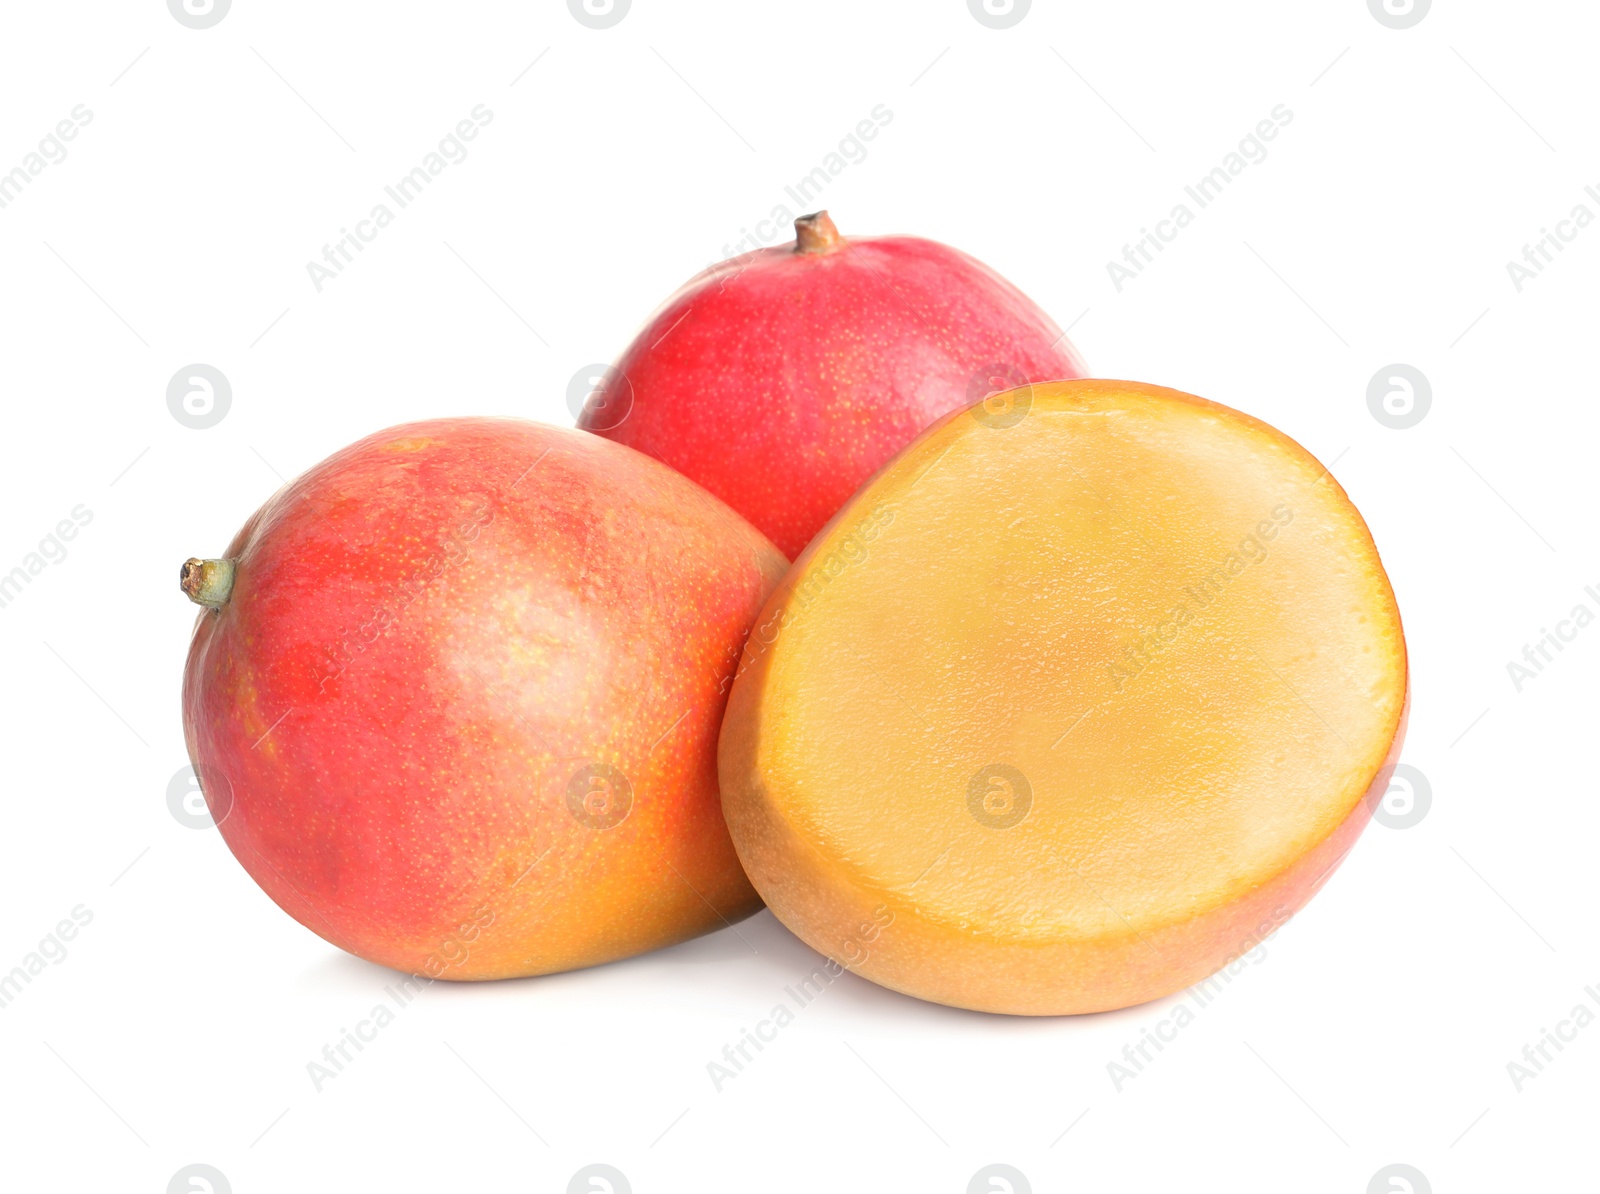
965 608
782 380
430 634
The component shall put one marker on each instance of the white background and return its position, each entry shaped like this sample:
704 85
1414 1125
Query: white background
1377 1028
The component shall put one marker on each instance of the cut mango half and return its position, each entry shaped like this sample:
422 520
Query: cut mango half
1083 695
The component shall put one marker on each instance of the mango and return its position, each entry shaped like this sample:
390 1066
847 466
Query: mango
1089 687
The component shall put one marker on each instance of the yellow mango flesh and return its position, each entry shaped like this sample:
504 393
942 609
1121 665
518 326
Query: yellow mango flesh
1080 697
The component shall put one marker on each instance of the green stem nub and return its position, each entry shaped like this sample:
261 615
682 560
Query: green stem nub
207 582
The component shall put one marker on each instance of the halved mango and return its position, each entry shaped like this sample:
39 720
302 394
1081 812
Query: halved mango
1086 692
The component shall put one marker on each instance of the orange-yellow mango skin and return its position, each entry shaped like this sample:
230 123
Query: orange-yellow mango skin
1006 591
433 637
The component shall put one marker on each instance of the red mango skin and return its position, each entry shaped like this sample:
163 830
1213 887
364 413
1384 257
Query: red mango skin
431 637
783 379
